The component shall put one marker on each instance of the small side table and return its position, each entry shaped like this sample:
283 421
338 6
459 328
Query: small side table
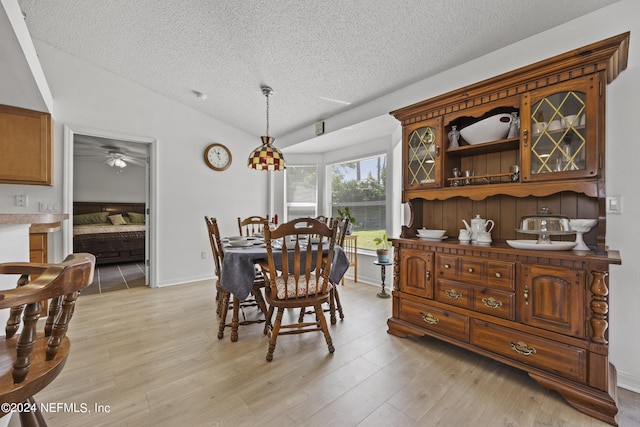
383 267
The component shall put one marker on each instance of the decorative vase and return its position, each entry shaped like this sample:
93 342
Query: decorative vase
454 136
514 128
383 255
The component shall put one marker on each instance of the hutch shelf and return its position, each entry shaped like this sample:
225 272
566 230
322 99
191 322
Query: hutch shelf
545 312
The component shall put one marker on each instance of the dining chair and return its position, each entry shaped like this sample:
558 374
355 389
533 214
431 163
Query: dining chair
32 359
334 300
324 219
225 301
300 279
251 225
343 226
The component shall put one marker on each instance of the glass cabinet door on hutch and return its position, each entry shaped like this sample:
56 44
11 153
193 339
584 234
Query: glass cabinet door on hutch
559 131
422 154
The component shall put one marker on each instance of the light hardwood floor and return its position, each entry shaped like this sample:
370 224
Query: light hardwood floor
153 356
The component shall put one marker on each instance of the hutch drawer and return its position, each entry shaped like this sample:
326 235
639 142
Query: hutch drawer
561 359
495 303
435 319
454 293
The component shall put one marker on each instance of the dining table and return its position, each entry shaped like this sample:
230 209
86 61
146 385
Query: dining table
238 266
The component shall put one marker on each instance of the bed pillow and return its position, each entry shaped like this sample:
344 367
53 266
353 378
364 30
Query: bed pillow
117 219
135 218
91 218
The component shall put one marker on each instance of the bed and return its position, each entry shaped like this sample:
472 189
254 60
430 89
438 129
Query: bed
113 232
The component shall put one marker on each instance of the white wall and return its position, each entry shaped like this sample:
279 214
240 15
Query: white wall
93 181
186 190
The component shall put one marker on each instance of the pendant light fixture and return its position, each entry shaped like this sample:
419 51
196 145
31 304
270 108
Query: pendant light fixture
266 157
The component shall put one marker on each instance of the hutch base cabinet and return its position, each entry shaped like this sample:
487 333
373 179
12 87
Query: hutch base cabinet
543 311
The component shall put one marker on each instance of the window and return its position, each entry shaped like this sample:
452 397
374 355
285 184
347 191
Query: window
360 186
302 191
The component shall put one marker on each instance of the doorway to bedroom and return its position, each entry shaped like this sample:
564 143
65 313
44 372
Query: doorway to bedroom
109 198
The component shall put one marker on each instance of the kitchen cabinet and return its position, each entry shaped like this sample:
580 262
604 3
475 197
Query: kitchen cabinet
543 311
26 145
38 247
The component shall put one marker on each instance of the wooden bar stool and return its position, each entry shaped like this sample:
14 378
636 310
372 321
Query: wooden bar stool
31 360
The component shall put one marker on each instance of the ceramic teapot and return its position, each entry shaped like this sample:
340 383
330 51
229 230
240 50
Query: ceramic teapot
478 224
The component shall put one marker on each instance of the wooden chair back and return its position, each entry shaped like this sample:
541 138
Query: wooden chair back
343 226
251 225
216 244
30 360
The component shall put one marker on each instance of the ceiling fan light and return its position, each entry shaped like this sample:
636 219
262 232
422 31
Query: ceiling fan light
115 162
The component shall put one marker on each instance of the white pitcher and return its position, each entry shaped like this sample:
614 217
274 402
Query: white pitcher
478 224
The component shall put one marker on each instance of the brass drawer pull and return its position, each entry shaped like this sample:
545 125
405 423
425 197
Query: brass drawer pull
522 348
526 295
428 276
430 318
453 294
498 275
447 266
491 302
470 270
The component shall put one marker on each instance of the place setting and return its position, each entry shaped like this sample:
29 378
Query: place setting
239 242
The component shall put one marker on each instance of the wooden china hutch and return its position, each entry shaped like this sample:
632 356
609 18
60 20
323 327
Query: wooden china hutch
542 311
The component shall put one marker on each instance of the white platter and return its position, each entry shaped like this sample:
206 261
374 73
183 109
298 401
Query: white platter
533 244
434 239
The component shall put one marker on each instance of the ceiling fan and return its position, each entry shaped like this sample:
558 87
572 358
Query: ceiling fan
116 159
113 156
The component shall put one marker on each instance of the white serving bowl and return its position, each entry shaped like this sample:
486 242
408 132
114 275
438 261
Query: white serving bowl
431 234
582 225
554 125
240 243
492 128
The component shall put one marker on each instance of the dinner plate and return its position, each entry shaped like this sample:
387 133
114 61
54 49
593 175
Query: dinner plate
533 244
240 243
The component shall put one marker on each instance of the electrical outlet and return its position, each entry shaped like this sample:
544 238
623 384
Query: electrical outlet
22 201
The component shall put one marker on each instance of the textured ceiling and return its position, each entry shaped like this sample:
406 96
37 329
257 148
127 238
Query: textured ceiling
321 57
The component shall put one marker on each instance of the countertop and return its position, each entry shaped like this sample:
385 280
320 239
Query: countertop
40 222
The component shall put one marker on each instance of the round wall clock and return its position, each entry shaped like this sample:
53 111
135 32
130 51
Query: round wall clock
217 157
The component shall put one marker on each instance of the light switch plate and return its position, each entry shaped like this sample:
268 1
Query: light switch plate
614 205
